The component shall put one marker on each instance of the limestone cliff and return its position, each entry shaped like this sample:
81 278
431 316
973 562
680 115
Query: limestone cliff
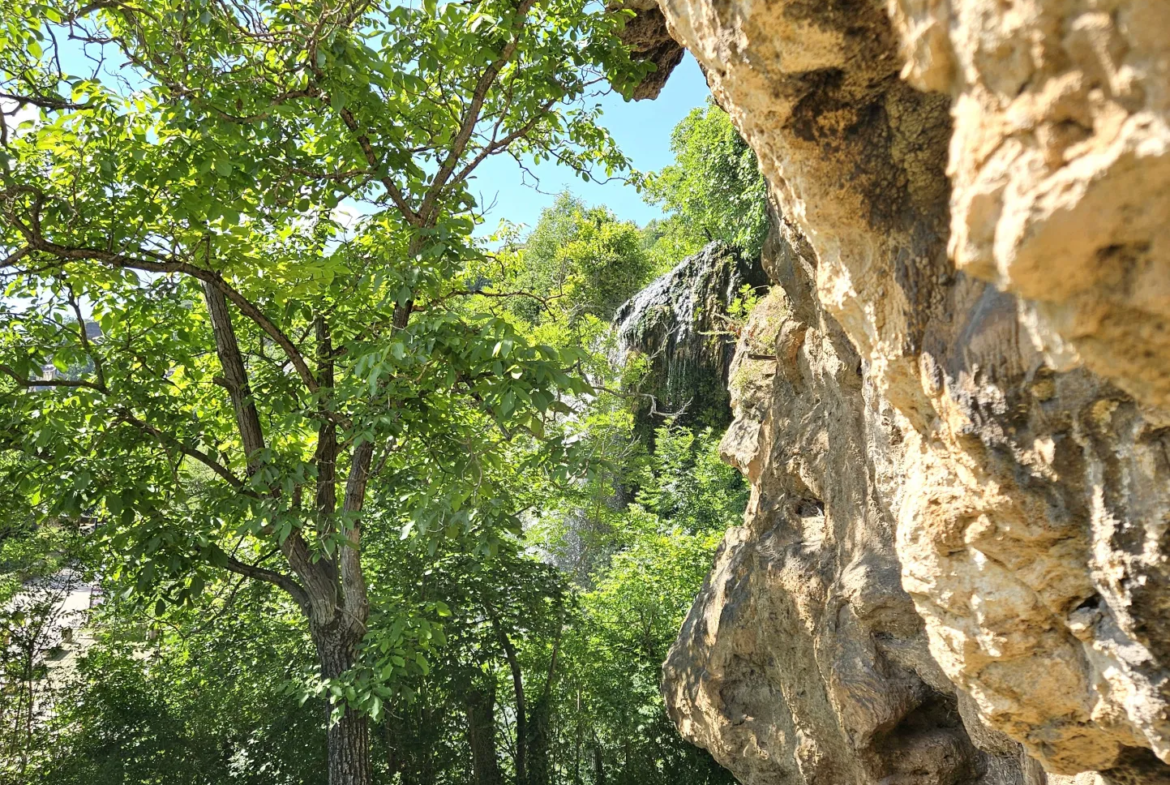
953 407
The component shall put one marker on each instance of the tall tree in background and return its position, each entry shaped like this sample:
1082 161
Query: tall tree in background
712 191
268 386
584 257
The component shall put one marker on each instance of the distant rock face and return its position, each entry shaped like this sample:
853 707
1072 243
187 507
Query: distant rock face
679 324
954 406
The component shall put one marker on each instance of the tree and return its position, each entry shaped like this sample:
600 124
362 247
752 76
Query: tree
584 258
200 701
631 616
510 615
713 190
269 387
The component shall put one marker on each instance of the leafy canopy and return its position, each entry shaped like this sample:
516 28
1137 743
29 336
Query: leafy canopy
268 383
582 261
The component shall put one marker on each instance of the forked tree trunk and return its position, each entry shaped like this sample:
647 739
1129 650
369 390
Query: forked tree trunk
333 596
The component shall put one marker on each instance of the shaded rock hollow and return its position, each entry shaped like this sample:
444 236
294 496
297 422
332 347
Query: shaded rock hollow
953 405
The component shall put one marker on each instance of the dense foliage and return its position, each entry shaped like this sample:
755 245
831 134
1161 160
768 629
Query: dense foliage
363 498
263 377
713 191
218 696
583 256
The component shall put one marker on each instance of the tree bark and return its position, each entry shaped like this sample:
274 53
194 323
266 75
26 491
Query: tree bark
577 745
337 640
349 750
235 375
481 734
539 726
349 738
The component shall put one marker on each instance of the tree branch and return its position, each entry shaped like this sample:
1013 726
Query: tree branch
321 592
42 101
164 265
471 116
502 144
83 334
235 376
26 382
192 452
325 455
298 593
371 157
518 688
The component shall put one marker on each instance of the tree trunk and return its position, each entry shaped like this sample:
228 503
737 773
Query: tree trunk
348 738
521 708
577 746
337 614
539 726
481 734
536 748
349 750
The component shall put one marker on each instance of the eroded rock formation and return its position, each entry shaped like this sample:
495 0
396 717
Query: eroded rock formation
953 408
646 35
679 325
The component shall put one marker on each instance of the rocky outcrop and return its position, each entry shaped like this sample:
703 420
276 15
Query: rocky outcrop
953 405
1059 163
680 329
803 660
646 35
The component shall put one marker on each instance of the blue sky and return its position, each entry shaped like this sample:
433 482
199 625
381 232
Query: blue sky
642 130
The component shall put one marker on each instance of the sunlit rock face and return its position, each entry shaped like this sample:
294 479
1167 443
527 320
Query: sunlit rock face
679 326
953 405
1059 162
803 660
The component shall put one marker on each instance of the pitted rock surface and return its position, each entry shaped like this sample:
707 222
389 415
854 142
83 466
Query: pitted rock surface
952 408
